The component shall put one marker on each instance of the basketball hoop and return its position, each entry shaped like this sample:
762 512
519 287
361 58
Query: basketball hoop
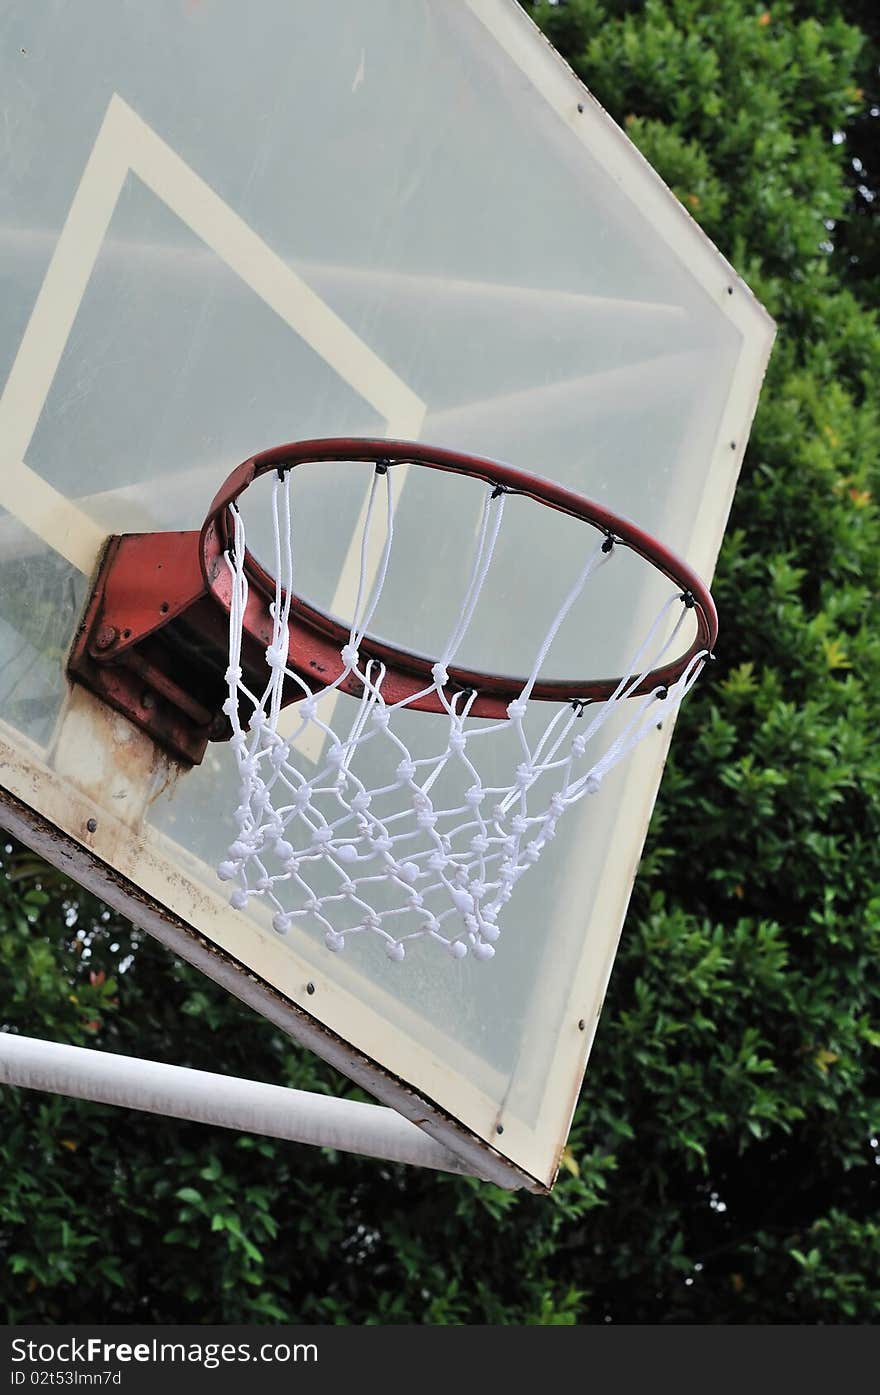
391 859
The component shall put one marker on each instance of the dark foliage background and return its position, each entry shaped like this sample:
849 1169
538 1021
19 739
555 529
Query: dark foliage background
723 1165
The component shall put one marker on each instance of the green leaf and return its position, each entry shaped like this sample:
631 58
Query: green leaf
189 1194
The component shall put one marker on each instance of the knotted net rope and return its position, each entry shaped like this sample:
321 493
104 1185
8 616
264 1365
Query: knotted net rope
391 858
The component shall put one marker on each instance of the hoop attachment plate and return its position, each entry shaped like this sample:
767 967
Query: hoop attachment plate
151 641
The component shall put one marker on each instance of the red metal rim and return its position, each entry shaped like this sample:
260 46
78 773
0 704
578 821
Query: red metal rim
498 689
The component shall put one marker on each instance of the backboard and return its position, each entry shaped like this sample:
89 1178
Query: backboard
407 220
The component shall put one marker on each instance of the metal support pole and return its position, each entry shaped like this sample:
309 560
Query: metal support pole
202 1096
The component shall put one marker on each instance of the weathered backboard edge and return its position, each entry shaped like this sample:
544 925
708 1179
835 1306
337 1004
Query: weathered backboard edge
96 876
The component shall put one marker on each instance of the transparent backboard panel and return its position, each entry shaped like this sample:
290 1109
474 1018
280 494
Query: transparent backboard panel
41 599
227 227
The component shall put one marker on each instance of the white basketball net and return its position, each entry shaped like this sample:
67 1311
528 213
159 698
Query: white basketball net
322 848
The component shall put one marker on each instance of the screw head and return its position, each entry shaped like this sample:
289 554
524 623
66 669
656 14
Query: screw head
92 825
106 637
219 729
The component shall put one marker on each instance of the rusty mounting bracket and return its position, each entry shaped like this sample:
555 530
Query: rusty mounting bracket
153 643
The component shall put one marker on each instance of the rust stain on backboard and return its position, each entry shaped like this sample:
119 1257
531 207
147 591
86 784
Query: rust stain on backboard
109 760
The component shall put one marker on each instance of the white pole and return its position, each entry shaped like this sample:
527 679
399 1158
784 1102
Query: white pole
247 1105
